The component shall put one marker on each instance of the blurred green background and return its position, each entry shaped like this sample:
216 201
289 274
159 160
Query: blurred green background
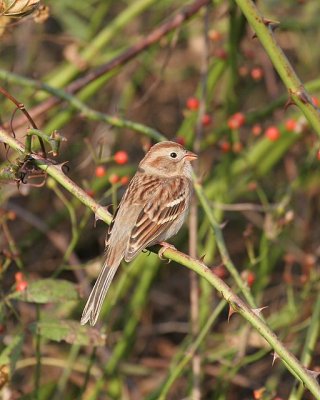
211 86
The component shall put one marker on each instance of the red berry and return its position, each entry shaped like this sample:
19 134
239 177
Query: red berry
240 117
192 103
291 125
100 171
232 123
236 120
272 133
124 180
251 277
215 35
181 140
18 276
121 157
225 146
206 120
256 73
21 286
256 129
113 178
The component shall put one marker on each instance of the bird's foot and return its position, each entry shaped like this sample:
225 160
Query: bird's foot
164 247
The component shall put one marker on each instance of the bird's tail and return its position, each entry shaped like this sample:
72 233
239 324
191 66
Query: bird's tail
93 306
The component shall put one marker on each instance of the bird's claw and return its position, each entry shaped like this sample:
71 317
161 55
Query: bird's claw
164 247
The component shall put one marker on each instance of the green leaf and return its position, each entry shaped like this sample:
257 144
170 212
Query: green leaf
69 331
47 291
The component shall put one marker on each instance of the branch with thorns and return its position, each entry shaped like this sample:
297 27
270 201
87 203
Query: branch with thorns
25 167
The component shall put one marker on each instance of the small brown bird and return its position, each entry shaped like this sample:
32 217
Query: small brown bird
152 210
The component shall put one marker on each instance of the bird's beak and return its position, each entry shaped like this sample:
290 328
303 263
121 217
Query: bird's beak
190 156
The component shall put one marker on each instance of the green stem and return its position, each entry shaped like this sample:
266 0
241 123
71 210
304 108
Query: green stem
12 245
309 347
291 362
222 246
297 92
74 240
78 105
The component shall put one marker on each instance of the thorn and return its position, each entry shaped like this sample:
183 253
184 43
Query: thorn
314 374
271 24
223 224
257 311
302 95
289 103
202 258
107 208
96 218
63 167
275 357
231 312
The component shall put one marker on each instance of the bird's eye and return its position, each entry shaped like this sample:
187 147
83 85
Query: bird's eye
173 155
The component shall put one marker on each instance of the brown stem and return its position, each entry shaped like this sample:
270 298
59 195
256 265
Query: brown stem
21 107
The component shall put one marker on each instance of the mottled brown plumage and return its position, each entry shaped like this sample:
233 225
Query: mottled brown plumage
152 210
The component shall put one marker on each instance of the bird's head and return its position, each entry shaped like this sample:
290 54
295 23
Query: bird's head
168 159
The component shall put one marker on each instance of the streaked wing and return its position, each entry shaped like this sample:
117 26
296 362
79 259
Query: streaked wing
141 188
169 200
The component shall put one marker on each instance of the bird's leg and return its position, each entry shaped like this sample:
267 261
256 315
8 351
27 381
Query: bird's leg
164 247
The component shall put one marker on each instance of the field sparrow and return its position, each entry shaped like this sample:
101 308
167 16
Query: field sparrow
152 210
